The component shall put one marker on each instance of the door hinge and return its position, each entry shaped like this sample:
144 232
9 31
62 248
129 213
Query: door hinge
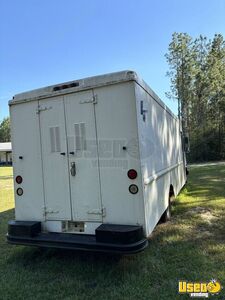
43 209
103 212
97 212
91 100
50 211
39 109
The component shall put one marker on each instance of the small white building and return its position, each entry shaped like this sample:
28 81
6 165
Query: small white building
5 154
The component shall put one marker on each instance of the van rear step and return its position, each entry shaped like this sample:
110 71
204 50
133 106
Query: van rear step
123 239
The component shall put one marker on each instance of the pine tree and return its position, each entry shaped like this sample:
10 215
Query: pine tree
197 74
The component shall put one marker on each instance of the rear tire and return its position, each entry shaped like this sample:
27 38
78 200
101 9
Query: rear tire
166 216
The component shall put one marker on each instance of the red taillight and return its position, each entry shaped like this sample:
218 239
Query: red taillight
132 174
19 179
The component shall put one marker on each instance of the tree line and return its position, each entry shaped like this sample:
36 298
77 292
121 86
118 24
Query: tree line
197 76
5 130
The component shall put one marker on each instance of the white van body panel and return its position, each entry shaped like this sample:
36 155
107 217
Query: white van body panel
116 104
27 161
160 154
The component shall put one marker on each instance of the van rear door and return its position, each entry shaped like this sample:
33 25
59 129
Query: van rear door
70 158
83 156
54 159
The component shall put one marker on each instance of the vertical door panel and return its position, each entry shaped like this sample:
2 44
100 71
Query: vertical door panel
55 159
116 123
26 144
83 158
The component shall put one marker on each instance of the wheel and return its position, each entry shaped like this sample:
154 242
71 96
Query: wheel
166 216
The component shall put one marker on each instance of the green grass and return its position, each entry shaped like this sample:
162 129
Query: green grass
6 190
191 247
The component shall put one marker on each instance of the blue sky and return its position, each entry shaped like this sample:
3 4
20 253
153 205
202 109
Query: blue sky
52 41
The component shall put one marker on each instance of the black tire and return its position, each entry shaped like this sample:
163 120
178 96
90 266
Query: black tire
166 216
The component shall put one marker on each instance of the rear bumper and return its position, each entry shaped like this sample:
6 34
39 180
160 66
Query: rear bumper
121 239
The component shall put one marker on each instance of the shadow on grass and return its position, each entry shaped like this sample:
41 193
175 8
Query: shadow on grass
5 216
189 247
174 253
31 255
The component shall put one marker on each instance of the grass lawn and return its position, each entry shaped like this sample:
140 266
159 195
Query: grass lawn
6 191
190 247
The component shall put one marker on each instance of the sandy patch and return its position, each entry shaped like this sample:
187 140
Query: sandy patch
204 213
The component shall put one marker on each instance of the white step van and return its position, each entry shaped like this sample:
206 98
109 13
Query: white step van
95 162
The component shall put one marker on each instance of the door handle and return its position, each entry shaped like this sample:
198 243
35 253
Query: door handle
72 152
73 169
62 153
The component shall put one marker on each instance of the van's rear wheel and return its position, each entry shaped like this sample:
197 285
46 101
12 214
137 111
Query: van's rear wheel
166 216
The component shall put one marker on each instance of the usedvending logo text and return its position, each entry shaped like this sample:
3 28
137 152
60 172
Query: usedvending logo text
199 289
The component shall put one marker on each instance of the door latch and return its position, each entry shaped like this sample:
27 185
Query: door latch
73 169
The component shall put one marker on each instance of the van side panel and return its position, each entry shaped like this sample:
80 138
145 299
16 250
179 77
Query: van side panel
26 144
161 155
117 128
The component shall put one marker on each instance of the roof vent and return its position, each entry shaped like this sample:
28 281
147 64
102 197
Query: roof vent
65 86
